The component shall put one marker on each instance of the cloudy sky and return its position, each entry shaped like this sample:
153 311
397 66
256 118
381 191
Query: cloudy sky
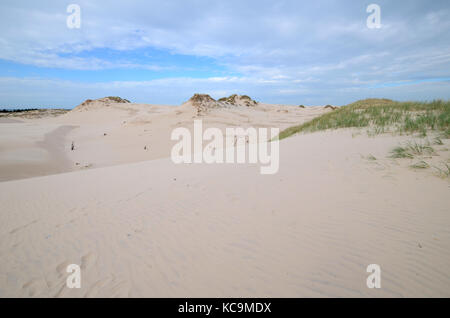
294 52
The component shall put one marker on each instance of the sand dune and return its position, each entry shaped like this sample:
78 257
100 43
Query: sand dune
105 133
155 229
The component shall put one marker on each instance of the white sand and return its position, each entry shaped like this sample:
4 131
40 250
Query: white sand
129 128
32 149
156 229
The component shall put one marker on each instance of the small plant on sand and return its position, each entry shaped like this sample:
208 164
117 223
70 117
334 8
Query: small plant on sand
445 134
420 165
234 99
371 157
400 152
443 172
420 149
118 99
412 149
437 141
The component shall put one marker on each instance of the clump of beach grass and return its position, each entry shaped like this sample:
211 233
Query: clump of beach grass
401 152
118 99
381 116
412 149
438 141
420 165
443 172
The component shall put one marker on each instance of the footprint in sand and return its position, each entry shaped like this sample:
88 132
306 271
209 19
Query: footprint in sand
389 177
120 289
22 227
62 269
95 287
34 286
109 287
87 260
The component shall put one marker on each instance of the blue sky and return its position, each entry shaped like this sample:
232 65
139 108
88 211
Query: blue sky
162 52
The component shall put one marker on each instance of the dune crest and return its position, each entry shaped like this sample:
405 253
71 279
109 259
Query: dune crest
239 100
90 104
203 103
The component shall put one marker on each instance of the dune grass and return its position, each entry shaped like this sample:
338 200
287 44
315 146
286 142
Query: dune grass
21 110
412 149
443 172
118 99
438 141
420 165
381 116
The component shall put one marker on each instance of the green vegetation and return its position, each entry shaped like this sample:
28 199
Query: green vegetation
420 165
381 116
32 112
438 141
118 99
443 172
400 152
17 110
232 100
412 149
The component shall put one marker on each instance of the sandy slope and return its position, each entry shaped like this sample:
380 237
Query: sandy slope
158 229
32 149
118 133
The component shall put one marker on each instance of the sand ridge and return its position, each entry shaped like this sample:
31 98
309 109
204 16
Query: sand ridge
111 131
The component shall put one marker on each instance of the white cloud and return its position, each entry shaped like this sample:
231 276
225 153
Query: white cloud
38 92
274 46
